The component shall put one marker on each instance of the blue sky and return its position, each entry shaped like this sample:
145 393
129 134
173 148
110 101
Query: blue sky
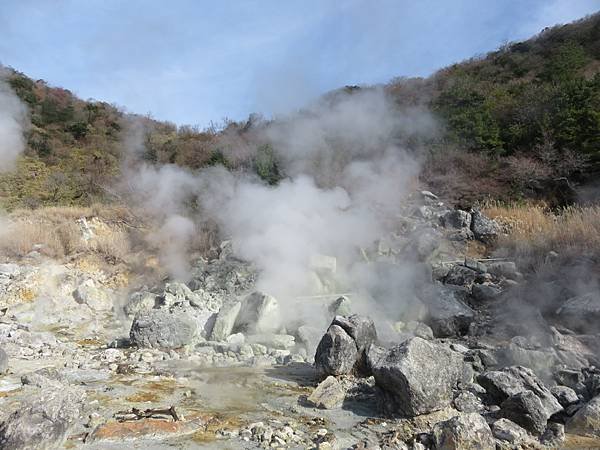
195 61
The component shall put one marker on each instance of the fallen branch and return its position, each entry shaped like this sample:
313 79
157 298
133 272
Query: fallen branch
152 413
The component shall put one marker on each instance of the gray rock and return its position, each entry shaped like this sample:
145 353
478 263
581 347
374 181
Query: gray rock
448 314
468 402
279 341
525 409
424 244
465 431
461 276
44 421
97 299
341 306
336 353
586 421
502 384
475 265
259 313
140 301
329 394
581 312
485 293
161 328
359 328
417 376
225 321
506 430
9 270
419 329
429 195
3 362
565 395
483 228
507 269
456 219
554 435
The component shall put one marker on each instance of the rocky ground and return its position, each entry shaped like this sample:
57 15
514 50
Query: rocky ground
467 360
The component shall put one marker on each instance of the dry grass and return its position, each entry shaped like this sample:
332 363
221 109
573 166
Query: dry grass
532 230
55 232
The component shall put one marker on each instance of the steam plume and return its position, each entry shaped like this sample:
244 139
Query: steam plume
13 120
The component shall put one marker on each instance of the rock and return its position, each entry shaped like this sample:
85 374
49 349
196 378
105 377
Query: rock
417 376
507 430
279 341
485 293
359 328
424 244
140 301
502 384
456 219
525 409
236 339
465 431
581 313
336 353
225 321
554 435
507 269
461 276
428 195
259 313
3 362
322 264
565 395
475 265
161 328
44 420
448 314
468 402
483 228
419 329
328 394
9 270
87 293
341 307
586 421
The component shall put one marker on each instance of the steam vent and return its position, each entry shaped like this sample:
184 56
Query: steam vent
410 264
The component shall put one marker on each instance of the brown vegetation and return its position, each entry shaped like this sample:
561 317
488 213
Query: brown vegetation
532 231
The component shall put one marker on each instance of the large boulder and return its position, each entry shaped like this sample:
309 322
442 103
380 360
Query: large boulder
163 328
484 228
140 301
448 314
586 421
502 384
44 420
456 219
460 275
506 430
96 298
360 328
464 432
225 321
525 409
581 312
336 353
418 376
259 313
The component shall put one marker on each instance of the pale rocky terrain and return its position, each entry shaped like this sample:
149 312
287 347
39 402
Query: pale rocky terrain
91 359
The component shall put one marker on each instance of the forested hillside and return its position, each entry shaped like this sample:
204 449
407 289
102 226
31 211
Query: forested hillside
514 121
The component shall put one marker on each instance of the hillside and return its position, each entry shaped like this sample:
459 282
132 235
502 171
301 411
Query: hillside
514 121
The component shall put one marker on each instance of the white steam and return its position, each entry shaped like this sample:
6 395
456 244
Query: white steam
13 120
348 169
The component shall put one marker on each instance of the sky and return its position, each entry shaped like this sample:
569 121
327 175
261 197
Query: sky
197 62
